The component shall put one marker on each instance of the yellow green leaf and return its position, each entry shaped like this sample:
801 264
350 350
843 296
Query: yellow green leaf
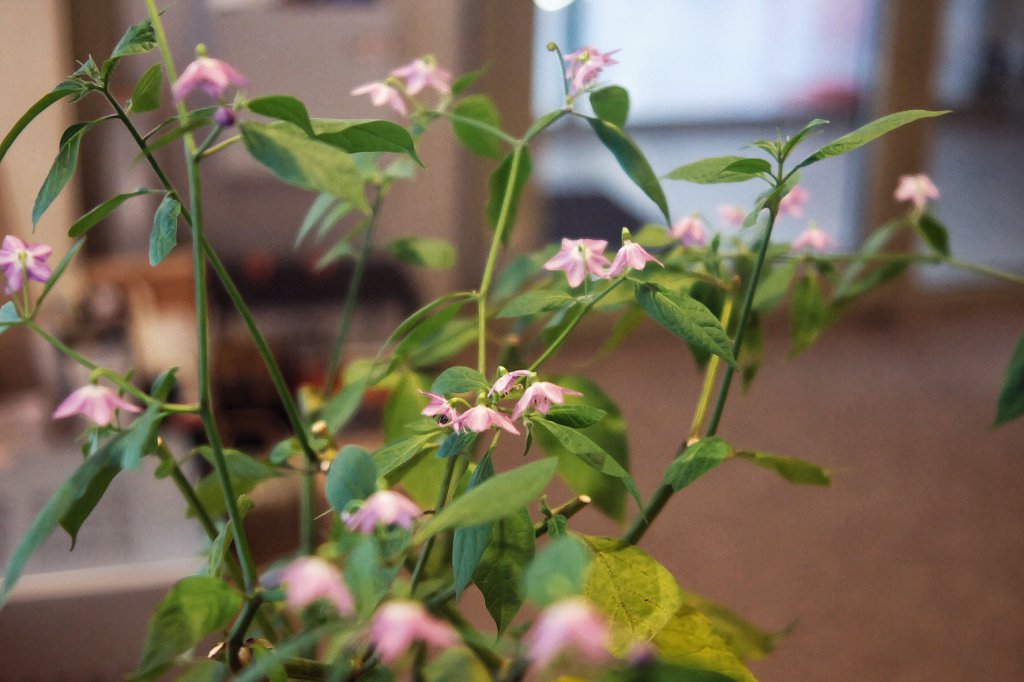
690 640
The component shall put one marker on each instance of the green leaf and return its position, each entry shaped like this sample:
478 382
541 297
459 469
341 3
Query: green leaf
83 483
194 608
689 639
792 142
611 104
494 499
687 318
366 135
396 455
473 116
283 108
575 416
498 185
664 672
366 575
747 641
61 171
352 476
98 213
721 169
404 405
469 544
773 285
438 254
861 136
533 302
637 594
459 380
317 212
460 84
245 473
500 572
164 236
138 39
558 571
632 161
57 94
410 323
695 461
454 337
542 123
790 468
934 233
455 444
343 406
298 160
808 313
8 316
457 664
1011 397
590 453
146 95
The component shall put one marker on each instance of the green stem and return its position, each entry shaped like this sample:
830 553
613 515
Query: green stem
661 496
352 295
219 147
442 498
986 270
492 257
210 423
307 513
550 350
709 379
169 70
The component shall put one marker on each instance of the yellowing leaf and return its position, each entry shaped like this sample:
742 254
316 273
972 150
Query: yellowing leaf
689 640
638 594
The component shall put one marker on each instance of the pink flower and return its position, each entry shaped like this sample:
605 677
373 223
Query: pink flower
540 396
568 624
505 383
585 65
690 231
793 203
310 578
424 72
631 255
384 507
813 239
439 407
917 189
18 259
381 94
96 403
481 418
732 215
398 624
578 257
210 75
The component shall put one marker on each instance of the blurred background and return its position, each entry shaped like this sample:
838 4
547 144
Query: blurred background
908 568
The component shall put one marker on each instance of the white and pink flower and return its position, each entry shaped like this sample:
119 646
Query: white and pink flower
690 231
632 256
212 76
541 396
571 624
917 189
310 578
19 260
423 73
813 239
383 94
383 508
480 418
399 624
585 65
98 404
577 257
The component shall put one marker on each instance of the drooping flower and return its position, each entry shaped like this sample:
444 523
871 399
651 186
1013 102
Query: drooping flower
577 257
481 418
439 407
96 403
732 215
540 396
813 239
568 624
384 507
630 255
212 76
504 383
310 578
793 203
690 231
381 93
917 189
18 259
422 73
585 65
398 624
